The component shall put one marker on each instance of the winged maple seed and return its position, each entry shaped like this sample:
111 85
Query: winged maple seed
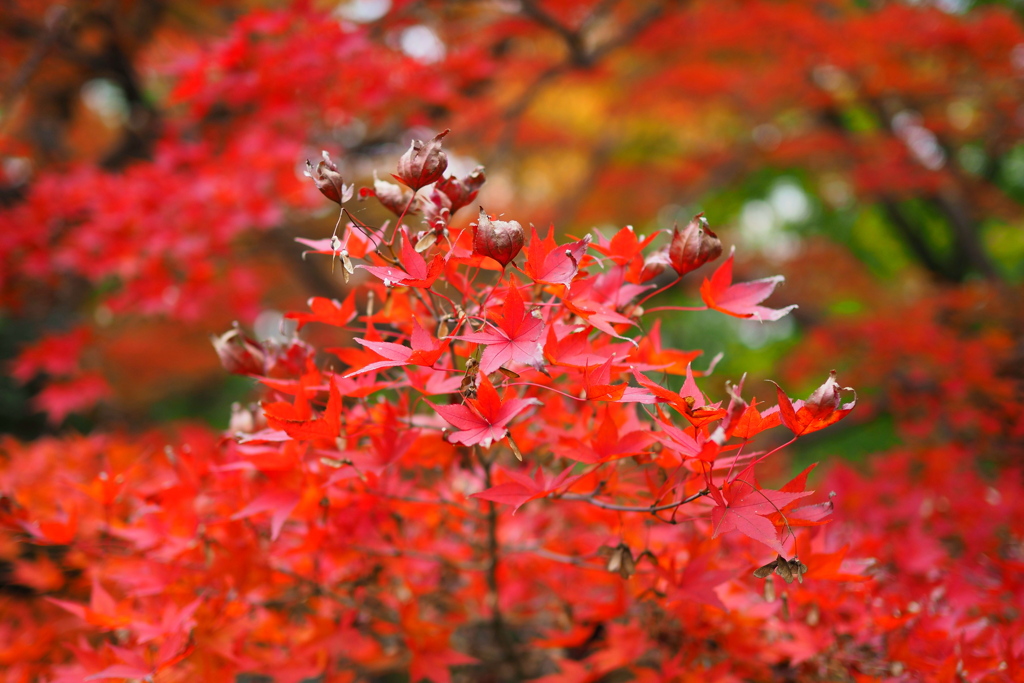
620 559
786 569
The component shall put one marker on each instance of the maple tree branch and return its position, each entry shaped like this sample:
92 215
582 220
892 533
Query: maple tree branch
559 557
652 509
501 634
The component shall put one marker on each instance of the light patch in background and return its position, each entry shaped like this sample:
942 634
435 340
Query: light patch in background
790 202
362 11
1017 57
836 191
106 99
972 158
461 166
17 170
755 335
272 326
762 222
961 114
1013 166
921 142
422 44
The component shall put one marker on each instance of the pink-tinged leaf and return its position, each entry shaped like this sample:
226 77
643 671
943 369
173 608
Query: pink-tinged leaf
524 488
554 264
698 581
482 420
516 337
60 398
120 671
746 508
741 300
425 351
824 407
686 403
416 272
278 503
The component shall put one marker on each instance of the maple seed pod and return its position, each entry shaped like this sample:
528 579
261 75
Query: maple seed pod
501 240
239 354
694 246
423 163
461 192
390 195
327 179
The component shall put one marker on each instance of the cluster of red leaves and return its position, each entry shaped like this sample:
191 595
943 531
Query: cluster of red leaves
374 517
124 558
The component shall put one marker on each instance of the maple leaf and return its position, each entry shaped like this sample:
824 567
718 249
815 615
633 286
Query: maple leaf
416 272
824 407
606 443
295 419
743 506
624 245
523 488
689 401
482 420
552 264
752 422
697 582
597 383
515 338
425 351
650 354
327 311
741 300
102 611
60 398
278 503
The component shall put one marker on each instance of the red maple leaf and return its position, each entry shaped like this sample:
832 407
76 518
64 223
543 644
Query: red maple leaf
278 503
295 419
516 337
553 264
623 246
425 351
741 300
821 409
416 272
327 311
522 489
743 506
482 420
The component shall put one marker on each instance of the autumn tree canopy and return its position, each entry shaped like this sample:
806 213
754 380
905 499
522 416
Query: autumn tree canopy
467 269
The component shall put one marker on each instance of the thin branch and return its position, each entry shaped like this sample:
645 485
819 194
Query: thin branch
651 509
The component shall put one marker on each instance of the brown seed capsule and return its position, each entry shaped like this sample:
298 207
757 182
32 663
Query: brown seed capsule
620 560
327 179
501 240
239 354
423 163
461 191
694 246
394 198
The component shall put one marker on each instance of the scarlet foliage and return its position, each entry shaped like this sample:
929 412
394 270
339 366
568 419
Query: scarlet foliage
345 529
482 461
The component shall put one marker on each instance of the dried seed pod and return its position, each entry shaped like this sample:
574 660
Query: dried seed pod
694 246
327 179
500 240
423 163
620 560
